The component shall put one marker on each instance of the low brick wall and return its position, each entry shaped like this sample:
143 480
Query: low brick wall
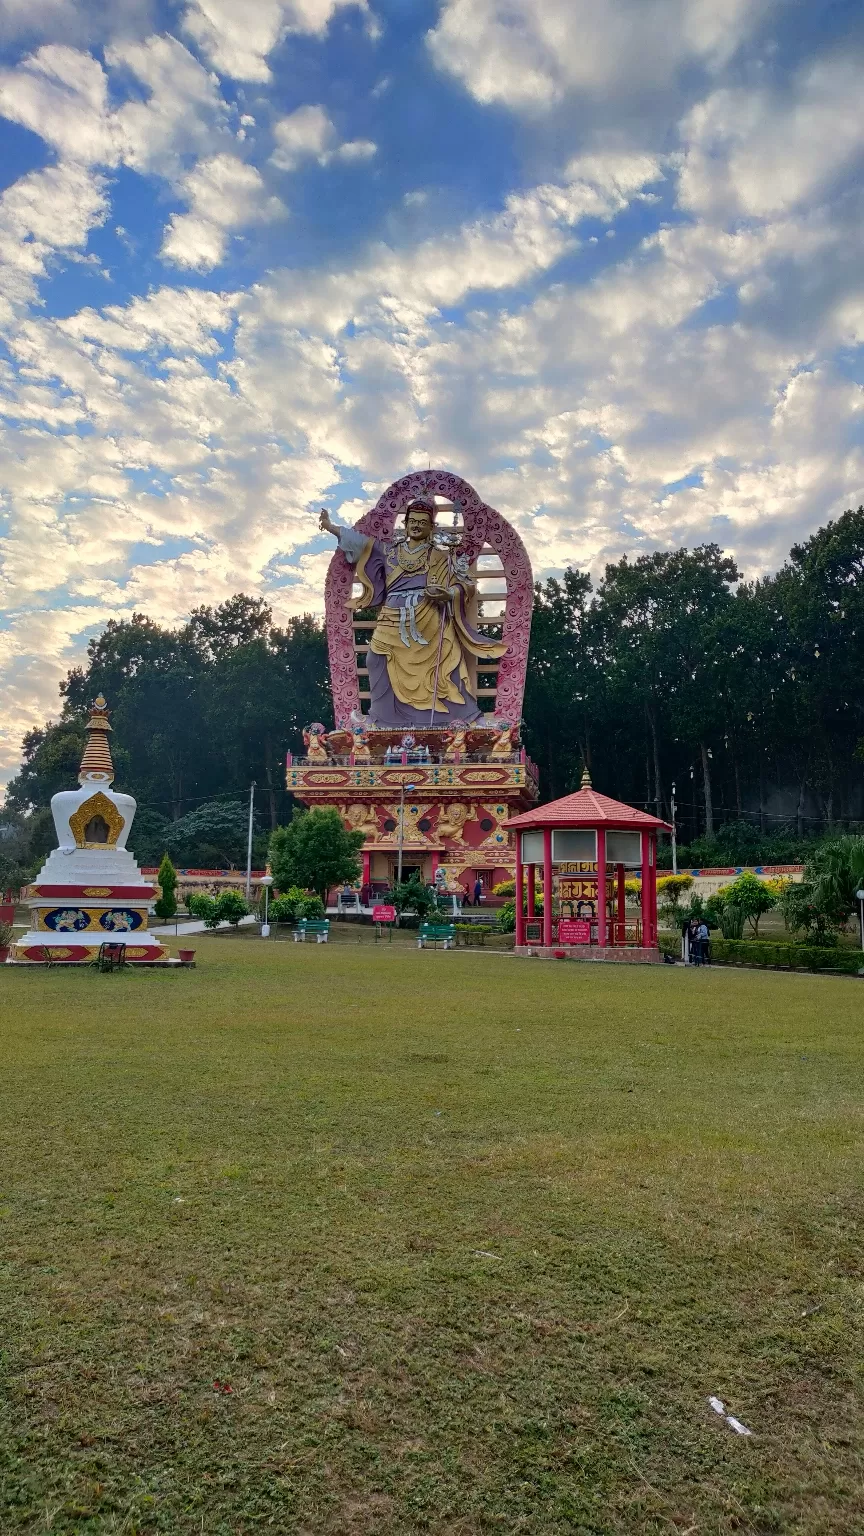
592 952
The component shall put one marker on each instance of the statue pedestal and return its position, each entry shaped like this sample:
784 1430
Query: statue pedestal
453 815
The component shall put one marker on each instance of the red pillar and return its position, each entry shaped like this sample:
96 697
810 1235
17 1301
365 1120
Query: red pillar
602 936
532 891
436 860
622 900
652 861
647 884
367 866
520 921
547 888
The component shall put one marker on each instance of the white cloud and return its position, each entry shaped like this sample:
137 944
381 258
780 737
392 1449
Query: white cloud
84 22
41 214
308 134
224 194
757 153
529 54
183 115
237 35
532 232
62 94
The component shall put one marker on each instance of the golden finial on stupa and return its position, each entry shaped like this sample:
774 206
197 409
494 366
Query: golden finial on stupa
97 753
586 778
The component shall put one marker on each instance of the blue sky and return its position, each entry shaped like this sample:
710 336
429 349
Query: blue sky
601 257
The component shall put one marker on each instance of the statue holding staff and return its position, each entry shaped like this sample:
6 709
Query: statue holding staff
417 655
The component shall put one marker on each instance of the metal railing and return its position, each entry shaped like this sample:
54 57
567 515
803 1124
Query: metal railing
619 935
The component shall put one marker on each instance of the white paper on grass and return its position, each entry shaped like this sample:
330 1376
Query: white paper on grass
720 1407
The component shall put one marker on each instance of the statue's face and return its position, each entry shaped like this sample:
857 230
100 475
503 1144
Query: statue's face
418 524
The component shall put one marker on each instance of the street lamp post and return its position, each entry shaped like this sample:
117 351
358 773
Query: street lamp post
860 898
410 788
266 881
672 809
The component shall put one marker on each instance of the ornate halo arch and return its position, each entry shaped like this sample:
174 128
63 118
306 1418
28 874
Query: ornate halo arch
482 526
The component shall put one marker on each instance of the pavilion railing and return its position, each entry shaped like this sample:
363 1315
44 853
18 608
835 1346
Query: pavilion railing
619 935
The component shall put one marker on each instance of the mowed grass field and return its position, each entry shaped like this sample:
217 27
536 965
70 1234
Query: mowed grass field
469 1239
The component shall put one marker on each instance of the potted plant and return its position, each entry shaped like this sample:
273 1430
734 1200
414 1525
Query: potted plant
7 934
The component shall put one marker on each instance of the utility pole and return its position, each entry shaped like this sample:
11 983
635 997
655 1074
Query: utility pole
674 834
410 788
249 842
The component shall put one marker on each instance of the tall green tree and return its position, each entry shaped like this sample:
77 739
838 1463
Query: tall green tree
165 905
316 852
659 616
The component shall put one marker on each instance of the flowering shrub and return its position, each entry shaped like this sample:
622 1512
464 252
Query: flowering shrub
670 889
751 896
294 905
507 914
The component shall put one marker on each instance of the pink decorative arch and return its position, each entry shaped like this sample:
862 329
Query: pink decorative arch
483 525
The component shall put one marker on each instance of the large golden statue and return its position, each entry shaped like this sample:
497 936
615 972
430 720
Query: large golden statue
418 672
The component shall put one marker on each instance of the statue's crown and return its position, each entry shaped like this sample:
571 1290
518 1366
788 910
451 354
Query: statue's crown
421 504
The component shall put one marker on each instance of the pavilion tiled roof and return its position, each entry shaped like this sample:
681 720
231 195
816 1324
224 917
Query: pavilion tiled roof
587 808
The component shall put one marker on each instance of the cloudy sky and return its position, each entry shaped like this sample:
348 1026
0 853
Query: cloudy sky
601 257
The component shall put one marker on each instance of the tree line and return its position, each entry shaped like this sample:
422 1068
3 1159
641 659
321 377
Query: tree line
199 712
747 696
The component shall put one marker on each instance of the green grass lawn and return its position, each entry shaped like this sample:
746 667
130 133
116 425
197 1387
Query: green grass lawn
471 1240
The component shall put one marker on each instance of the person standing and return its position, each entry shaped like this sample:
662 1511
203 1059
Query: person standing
703 939
478 891
693 941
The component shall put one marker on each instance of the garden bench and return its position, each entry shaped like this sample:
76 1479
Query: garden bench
319 926
437 933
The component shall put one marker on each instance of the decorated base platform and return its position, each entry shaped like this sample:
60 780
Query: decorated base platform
592 952
82 954
459 787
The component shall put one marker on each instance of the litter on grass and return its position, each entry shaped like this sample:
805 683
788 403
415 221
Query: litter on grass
719 1407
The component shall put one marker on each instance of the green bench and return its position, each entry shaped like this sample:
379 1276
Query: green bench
436 933
320 926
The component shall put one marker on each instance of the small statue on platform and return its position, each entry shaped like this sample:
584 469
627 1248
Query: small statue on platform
451 821
357 727
456 748
315 742
361 818
502 747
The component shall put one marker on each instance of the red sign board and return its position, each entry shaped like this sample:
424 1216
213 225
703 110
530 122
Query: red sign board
574 931
383 914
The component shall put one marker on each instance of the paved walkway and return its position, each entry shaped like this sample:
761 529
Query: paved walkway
180 930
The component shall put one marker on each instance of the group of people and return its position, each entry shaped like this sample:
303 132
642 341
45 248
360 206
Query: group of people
478 893
696 942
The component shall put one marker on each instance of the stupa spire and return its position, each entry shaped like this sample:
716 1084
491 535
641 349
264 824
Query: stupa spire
586 778
97 753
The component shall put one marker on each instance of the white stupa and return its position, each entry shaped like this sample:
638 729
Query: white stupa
90 890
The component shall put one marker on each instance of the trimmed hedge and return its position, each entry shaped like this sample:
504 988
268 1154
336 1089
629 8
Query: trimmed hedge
785 957
474 936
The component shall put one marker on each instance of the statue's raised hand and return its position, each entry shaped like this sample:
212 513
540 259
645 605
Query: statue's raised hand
325 524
